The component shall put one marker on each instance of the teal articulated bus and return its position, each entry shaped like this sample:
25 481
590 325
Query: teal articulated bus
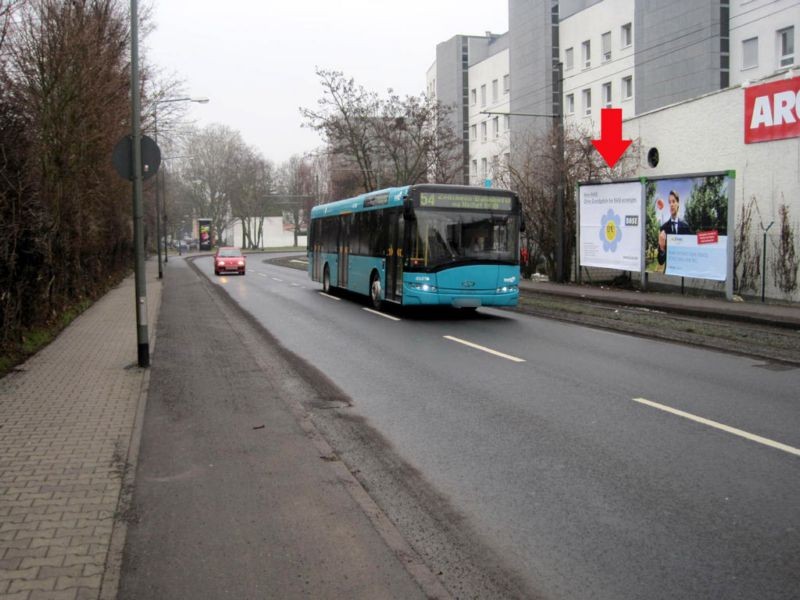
423 244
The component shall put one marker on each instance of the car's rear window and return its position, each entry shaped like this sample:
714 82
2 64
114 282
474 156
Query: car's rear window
229 252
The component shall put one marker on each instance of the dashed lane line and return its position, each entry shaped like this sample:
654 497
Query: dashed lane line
380 314
716 425
484 349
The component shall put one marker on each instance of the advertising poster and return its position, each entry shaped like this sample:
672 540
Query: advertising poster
610 226
686 226
204 228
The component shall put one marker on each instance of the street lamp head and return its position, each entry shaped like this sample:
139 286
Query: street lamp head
200 100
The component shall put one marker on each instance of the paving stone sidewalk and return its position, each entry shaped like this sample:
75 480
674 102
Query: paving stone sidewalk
66 423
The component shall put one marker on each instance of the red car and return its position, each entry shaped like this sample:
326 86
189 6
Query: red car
229 260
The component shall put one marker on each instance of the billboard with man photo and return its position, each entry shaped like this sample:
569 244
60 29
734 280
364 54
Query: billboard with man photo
686 226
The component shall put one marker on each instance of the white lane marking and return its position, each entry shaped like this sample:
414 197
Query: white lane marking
710 423
484 349
302 262
276 279
296 285
262 274
380 314
329 296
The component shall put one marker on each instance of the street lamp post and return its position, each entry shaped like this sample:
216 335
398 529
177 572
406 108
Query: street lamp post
162 210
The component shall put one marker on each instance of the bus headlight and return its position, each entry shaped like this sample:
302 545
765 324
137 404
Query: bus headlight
422 287
507 289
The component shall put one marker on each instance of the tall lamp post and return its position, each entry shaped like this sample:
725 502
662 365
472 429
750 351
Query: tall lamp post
162 210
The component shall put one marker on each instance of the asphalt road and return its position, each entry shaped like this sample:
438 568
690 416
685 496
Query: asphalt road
582 463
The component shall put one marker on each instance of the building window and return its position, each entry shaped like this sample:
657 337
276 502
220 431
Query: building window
607 94
483 131
506 83
483 95
483 168
473 133
570 104
627 87
474 169
786 47
626 35
473 97
494 90
496 127
586 54
605 46
750 53
506 122
568 59
587 101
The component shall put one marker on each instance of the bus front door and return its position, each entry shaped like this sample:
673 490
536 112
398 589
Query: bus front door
394 262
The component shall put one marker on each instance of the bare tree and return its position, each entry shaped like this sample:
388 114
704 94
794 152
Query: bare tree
64 229
297 186
212 174
537 173
343 117
250 203
382 142
413 136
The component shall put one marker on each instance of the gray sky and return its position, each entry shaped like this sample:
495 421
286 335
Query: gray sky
255 60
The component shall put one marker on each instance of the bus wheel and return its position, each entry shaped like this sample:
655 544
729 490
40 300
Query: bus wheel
375 291
326 280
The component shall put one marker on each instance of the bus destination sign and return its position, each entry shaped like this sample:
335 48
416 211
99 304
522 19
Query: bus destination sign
473 201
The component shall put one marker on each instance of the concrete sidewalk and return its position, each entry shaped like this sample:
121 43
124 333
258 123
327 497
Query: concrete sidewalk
66 417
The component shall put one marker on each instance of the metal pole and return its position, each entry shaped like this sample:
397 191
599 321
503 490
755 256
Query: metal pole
143 344
764 263
158 217
558 124
164 207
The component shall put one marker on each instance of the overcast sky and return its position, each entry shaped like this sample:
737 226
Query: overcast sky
255 59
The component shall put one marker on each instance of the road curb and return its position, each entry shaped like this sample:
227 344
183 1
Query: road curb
109 584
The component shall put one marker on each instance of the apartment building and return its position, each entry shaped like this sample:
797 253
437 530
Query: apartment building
598 60
451 79
637 55
763 38
489 102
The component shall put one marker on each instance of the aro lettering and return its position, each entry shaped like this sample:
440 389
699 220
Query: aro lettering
785 108
772 111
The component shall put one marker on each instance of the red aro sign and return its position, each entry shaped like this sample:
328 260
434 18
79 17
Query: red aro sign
772 111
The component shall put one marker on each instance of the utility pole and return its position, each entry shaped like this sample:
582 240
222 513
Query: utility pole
142 338
558 131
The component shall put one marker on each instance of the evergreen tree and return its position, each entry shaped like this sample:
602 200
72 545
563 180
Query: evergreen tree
707 207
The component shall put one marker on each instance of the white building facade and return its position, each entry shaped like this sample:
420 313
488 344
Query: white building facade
764 36
597 56
707 134
489 123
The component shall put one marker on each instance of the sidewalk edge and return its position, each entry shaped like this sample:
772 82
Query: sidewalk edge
109 584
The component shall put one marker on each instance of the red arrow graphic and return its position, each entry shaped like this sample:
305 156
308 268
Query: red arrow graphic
611 146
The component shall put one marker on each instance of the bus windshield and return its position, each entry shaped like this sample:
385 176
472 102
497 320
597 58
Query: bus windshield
443 237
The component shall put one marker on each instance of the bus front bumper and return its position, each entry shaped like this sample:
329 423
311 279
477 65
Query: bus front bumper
460 300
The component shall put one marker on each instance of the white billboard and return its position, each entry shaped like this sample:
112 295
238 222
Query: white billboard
611 221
